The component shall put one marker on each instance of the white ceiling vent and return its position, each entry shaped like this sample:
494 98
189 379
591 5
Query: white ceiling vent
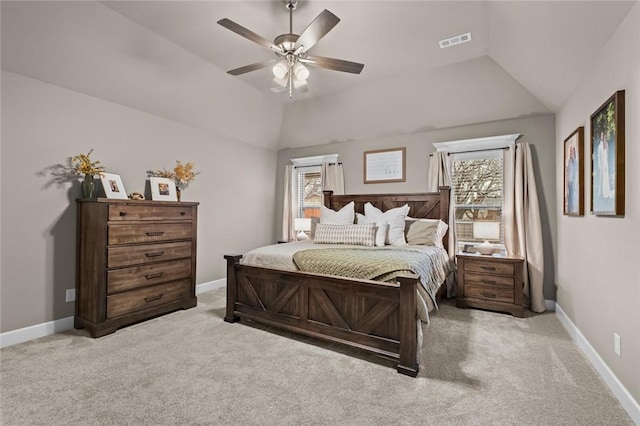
452 41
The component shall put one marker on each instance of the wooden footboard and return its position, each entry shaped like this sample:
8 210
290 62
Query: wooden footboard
374 316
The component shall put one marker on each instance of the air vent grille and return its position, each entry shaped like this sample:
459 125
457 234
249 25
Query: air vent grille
452 41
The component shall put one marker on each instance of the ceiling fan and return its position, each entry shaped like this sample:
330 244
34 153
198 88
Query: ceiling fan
291 51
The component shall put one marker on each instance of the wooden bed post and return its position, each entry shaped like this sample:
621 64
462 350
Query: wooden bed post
326 198
408 326
232 286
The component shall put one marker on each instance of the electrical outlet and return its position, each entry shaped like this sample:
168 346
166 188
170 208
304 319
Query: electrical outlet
616 343
70 295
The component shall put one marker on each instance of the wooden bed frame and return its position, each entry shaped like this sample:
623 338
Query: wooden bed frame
375 316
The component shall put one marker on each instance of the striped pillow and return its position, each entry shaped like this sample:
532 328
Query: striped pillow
362 235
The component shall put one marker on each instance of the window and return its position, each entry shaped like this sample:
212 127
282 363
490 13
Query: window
309 192
477 175
477 182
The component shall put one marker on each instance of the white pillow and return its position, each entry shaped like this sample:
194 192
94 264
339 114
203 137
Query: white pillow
382 229
344 216
394 218
363 234
440 231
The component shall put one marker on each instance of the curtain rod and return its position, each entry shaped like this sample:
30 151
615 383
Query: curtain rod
476 150
315 165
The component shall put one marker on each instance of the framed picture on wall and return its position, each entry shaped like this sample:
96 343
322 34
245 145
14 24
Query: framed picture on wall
574 173
607 157
163 189
385 165
113 186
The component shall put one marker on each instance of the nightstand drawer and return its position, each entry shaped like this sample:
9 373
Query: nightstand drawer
489 281
148 297
489 267
141 276
486 293
128 212
138 255
129 234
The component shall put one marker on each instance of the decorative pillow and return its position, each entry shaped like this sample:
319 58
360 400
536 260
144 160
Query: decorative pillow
344 216
428 232
314 222
382 229
393 217
362 235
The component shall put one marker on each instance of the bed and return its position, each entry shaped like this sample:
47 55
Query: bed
378 317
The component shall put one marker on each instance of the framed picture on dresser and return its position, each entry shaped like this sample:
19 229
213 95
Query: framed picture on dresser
113 186
607 157
574 173
163 189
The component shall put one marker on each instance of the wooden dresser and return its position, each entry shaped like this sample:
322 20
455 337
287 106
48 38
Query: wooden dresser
135 260
490 282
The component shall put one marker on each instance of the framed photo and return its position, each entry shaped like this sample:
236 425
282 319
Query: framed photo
385 165
113 186
574 173
163 189
607 157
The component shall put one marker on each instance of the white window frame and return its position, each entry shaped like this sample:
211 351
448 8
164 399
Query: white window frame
478 148
309 165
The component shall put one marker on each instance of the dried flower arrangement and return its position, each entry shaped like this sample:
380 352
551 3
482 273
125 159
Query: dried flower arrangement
182 174
81 164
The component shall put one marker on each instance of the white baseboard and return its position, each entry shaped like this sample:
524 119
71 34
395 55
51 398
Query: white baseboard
25 334
619 391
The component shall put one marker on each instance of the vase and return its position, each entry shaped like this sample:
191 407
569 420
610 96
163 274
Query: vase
88 186
178 193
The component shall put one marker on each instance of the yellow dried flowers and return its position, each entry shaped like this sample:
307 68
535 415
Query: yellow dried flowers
81 164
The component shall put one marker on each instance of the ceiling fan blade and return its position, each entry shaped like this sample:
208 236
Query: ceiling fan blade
251 67
317 29
248 34
333 64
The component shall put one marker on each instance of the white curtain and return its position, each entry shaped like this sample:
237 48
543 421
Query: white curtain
522 226
290 205
439 174
332 178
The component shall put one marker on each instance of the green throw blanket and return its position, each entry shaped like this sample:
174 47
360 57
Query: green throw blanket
367 264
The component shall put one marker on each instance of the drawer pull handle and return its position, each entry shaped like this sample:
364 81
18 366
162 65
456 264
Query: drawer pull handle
150 276
183 213
489 295
154 254
488 268
123 213
153 298
487 281
155 234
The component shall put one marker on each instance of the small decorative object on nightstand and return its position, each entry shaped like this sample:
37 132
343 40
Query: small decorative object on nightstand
490 282
486 231
301 225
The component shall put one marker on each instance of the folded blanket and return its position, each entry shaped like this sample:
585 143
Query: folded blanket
383 264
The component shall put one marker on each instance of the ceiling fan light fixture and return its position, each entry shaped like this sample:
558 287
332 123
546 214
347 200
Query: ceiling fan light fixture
281 69
300 71
283 82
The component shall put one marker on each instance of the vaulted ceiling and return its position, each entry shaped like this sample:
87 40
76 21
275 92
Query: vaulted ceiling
525 58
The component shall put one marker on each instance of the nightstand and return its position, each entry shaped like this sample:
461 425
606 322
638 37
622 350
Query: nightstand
490 282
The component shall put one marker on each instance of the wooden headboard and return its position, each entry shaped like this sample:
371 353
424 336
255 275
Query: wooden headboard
429 205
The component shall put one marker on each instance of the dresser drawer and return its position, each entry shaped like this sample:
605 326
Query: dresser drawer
127 234
119 280
486 293
147 253
473 265
489 281
136 300
128 212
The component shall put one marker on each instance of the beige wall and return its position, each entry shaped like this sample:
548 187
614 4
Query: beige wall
43 124
598 275
538 131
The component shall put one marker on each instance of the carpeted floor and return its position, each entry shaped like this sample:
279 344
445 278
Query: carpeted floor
191 368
